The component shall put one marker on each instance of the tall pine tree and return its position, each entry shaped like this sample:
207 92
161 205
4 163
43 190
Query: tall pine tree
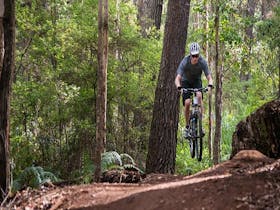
163 134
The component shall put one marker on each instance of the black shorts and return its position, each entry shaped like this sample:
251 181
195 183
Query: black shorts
186 84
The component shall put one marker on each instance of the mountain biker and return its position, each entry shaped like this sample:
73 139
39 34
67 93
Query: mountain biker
189 76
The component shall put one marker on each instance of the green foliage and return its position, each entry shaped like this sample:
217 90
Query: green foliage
34 177
20 149
110 159
268 29
86 171
184 163
228 127
114 160
127 159
53 100
53 115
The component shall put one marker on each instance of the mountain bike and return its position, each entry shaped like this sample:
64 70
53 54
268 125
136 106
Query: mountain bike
196 133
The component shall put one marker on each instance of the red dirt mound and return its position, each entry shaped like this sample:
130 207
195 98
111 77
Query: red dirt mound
249 181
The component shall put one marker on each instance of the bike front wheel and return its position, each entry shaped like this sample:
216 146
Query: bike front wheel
199 138
192 140
192 147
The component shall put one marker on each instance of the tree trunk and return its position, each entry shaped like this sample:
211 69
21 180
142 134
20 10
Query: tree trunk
278 73
207 53
210 125
156 13
218 93
266 7
101 99
245 75
2 9
149 14
163 135
250 11
5 92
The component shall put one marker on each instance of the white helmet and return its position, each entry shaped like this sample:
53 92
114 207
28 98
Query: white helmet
194 48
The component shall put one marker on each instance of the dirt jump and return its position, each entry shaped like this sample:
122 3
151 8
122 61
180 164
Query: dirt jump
250 180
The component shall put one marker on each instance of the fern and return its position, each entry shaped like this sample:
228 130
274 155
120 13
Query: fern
127 159
113 160
110 159
131 167
33 177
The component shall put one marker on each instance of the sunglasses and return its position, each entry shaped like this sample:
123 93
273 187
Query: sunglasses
195 56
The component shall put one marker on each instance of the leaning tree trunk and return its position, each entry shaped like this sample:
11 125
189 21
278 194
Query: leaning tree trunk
259 131
101 99
5 91
163 134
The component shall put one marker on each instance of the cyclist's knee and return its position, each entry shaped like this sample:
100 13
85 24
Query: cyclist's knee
187 103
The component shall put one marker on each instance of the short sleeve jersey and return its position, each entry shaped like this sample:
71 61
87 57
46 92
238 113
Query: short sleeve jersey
192 73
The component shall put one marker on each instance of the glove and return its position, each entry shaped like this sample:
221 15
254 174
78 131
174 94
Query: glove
210 87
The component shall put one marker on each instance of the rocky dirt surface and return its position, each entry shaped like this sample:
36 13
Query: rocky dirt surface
249 181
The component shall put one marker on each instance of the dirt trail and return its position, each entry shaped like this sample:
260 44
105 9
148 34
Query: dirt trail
249 181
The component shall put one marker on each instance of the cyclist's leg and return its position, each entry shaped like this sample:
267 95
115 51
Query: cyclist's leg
198 84
200 102
187 110
186 102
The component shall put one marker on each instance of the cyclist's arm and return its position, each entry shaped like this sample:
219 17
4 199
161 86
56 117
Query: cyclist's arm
210 80
178 80
180 72
207 73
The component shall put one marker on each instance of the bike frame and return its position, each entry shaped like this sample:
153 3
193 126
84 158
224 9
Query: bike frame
194 99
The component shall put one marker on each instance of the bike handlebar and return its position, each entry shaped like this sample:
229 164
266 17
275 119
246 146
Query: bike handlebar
194 90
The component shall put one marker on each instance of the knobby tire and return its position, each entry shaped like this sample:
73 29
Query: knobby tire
199 139
192 140
195 134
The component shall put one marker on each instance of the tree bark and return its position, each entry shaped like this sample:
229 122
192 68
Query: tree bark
278 73
218 93
207 53
259 131
149 14
210 125
5 92
101 100
250 11
2 9
249 38
163 134
156 13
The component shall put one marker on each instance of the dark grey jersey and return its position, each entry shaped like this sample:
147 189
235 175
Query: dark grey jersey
192 73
